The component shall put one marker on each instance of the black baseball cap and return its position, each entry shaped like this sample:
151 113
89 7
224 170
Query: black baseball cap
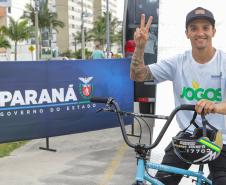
200 13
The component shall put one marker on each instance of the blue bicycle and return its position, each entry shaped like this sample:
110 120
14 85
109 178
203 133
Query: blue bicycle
143 176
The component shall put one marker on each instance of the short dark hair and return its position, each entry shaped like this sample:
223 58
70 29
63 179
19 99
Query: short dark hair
200 13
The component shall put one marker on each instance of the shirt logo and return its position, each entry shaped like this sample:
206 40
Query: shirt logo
217 76
197 93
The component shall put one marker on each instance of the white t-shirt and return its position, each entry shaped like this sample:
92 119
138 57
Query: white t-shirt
193 81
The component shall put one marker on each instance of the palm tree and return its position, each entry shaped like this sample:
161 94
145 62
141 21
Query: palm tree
18 31
47 20
4 43
98 33
99 30
78 37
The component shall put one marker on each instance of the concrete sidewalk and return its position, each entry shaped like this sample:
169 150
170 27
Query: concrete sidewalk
92 158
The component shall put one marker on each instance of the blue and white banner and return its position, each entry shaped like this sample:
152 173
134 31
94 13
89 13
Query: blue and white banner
43 99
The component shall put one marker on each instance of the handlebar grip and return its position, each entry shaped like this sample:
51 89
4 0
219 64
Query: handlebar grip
99 100
187 107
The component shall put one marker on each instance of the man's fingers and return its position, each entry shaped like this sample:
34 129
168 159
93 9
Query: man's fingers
199 107
206 106
148 25
142 21
139 34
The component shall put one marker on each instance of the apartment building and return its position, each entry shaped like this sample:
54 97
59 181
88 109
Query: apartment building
70 12
100 6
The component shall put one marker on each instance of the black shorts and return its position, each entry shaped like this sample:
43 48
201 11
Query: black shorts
217 168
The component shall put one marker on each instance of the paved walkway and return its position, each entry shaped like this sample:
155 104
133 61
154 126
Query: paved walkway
91 158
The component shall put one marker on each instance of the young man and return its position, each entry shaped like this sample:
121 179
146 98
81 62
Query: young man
199 73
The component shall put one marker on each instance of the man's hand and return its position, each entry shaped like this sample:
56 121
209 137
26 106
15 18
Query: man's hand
138 70
206 106
141 34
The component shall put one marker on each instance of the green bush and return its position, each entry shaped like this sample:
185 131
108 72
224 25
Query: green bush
77 54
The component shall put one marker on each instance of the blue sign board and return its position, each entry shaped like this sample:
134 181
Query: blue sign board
44 99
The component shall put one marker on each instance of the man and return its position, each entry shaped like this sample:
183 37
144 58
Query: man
196 74
97 53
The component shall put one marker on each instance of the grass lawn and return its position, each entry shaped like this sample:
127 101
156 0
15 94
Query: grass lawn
7 148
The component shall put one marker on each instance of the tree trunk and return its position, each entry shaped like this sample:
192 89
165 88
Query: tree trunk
15 51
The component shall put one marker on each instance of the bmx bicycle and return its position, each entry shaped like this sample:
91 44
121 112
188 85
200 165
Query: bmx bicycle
143 176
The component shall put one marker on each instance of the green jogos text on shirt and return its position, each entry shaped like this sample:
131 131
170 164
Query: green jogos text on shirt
200 93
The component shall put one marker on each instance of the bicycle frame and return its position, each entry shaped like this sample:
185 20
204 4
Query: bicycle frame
142 150
141 176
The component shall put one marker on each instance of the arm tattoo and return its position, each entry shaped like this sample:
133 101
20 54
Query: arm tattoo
143 74
138 70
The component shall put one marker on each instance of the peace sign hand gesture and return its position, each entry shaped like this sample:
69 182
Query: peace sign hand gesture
141 34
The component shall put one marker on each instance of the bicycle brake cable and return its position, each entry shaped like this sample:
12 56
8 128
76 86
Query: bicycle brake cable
138 121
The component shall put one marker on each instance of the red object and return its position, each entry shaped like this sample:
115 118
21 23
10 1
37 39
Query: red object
129 47
142 100
145 100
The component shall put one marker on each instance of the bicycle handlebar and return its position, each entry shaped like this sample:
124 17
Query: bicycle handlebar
99 99
110 101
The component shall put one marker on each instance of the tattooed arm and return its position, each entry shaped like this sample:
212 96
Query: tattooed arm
138 70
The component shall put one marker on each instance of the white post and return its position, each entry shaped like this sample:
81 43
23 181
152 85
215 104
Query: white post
82 29
107 29
36 29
